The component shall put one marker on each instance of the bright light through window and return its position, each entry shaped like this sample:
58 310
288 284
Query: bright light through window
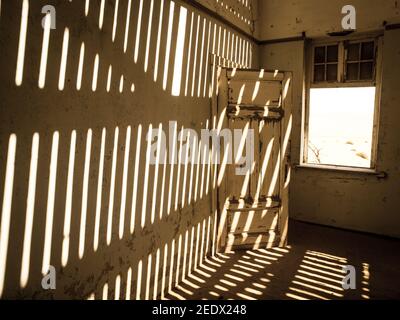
340 126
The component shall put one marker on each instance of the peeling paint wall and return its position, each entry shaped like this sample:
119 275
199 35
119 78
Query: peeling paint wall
241 13
77 191
283 19
354 201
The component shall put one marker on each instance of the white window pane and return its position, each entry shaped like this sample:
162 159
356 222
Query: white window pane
340 126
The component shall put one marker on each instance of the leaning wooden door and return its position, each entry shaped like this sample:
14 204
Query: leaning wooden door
253 197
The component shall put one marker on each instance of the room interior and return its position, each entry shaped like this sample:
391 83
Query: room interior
199 150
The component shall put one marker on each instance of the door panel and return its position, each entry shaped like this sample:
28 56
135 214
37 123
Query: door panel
251 221
269 164
253 208
250 92
239 185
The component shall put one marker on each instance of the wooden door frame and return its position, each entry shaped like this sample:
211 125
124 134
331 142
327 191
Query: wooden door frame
219 101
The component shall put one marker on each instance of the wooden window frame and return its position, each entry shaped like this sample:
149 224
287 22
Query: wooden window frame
342 83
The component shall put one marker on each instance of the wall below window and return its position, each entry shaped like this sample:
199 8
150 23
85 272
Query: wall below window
355 201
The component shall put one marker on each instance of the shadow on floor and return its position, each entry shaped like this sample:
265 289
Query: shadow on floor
311 267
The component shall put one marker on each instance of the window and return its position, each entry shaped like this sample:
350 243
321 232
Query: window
341 112
326 63
360 61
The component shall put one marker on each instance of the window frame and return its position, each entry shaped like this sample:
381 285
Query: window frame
342 83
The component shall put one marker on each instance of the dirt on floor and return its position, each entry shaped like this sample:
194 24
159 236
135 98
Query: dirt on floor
310 267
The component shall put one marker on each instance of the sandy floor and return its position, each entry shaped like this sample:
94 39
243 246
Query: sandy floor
309 268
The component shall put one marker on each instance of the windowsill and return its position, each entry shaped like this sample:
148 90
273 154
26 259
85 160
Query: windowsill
344 169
